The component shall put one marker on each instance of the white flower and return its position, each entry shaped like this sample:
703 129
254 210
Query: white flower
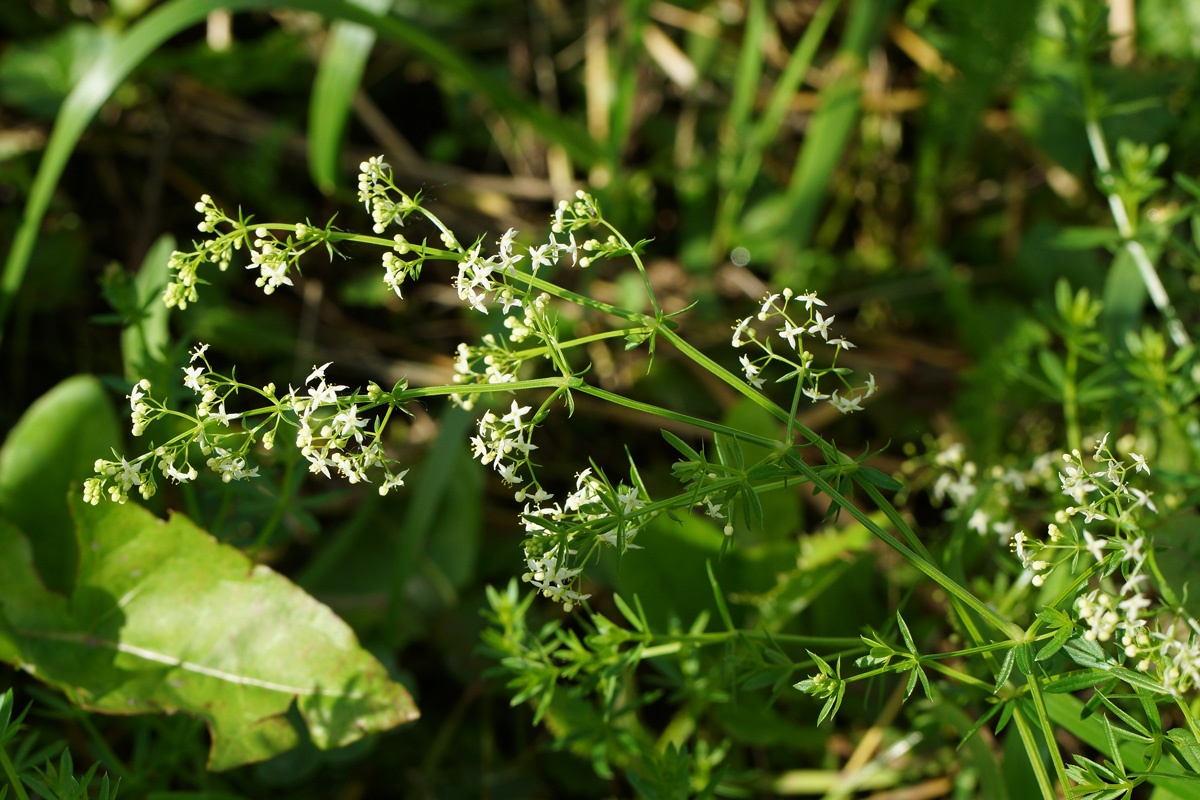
318 372
821 326
1140 461
768 301
198 352
222 417
751 373
508 473
790 332
192 378
514 416
813 394
810 299
1143 499
1094 546
738 330
845 405
979 522
539 257
391 482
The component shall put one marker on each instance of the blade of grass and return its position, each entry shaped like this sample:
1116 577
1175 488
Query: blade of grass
751 141
828 133
434 481
338 76
150 32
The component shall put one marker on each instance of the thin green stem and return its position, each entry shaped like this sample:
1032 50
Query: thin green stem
1070 394
1035 693
641 268
1168 592
557 382
1033 752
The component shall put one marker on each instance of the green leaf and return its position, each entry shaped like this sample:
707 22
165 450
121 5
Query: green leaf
1086 238
1074 681
338 76
1087 653
55 444
682 446
145 341
1010 658
880 479
165 619
1182 744
1053 367
1056 643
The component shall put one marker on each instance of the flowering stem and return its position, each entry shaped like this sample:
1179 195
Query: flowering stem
918 560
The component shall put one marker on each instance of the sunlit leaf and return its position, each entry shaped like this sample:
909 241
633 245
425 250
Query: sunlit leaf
164 618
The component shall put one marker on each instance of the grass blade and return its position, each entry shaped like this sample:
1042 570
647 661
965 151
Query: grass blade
338 76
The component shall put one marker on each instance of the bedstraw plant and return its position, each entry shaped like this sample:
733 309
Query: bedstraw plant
1089 613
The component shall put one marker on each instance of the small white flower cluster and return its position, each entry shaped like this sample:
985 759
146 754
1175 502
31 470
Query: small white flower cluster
140 411
713 511
116 478
272 261
987 497
375 192
503 443
1115 501
610 514
493 361
181 289
327 424
774 311
1104 495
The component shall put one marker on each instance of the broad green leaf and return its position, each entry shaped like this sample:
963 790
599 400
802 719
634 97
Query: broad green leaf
166 619
54 445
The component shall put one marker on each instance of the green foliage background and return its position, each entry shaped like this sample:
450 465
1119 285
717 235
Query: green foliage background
924 166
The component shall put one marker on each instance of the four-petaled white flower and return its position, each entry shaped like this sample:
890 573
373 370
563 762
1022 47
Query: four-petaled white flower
821 325
1094 546
1140 462
810 299
790 332
751 373
514 416
318 372
223 418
